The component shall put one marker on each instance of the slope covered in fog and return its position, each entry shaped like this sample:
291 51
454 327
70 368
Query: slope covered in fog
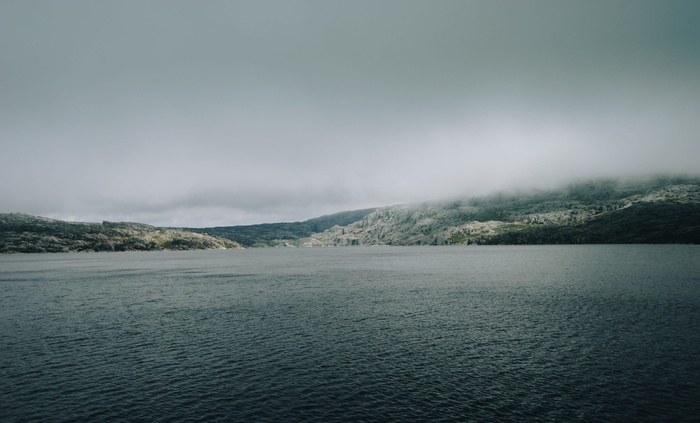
661 210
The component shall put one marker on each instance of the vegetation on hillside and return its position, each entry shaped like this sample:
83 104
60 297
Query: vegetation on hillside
273 234
21 233
659 210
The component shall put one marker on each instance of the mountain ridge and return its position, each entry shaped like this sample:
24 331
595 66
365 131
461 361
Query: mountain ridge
653 210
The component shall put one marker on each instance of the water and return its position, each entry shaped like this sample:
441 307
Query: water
363 334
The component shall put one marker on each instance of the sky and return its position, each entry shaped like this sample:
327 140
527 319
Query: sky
219 113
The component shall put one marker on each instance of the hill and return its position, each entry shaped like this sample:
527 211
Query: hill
659 210
275 234
21 233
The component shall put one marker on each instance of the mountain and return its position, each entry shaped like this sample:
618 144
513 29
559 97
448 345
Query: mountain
659 210
275 234
21 233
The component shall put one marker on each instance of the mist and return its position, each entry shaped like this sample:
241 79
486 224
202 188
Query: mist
178 113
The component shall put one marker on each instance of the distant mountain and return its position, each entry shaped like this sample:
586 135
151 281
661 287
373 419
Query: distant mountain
660 210
275 234
21 233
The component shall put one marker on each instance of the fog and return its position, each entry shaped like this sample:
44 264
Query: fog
184 113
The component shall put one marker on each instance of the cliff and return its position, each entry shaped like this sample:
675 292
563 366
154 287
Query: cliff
21 233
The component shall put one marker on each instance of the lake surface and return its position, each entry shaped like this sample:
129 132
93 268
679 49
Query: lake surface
362 334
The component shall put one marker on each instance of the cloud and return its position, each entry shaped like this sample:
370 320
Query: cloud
229 113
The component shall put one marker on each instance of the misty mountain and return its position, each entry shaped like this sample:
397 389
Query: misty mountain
660 210
22 233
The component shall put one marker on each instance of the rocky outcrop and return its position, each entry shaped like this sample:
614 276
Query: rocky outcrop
21 233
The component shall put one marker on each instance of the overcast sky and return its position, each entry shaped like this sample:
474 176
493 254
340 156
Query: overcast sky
204 113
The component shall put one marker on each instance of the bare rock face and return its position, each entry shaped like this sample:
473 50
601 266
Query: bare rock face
21 233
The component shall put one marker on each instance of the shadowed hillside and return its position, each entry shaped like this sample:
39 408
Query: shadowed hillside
272 234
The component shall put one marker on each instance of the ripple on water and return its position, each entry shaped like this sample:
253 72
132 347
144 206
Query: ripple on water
392 334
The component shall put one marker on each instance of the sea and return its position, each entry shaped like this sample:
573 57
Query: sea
569 333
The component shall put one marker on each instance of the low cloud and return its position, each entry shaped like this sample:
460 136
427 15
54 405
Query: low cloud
225 114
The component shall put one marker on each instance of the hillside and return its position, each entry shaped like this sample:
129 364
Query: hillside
21 233
661 210
274 234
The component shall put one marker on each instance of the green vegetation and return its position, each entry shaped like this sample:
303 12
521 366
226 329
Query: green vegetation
514 227
458 238
655 223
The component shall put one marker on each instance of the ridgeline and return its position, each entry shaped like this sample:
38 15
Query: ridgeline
662 210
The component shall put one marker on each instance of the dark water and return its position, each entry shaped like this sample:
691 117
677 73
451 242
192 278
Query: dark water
454 334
